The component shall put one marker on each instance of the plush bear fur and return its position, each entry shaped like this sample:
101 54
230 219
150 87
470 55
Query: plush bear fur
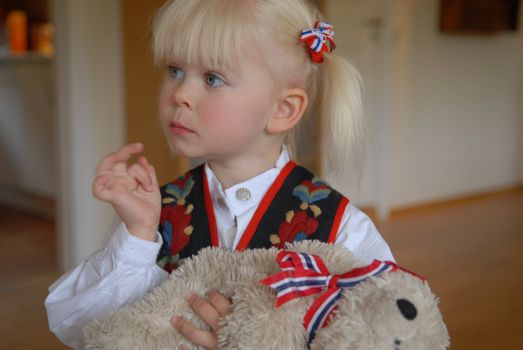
367 316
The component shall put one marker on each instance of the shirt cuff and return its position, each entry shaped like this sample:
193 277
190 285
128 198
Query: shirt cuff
133 250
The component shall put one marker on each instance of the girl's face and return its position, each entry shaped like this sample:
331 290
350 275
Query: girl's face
217 114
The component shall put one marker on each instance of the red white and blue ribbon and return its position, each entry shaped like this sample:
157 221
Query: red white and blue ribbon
302 275
319 39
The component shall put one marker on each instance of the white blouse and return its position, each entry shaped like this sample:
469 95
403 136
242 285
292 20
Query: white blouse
125 269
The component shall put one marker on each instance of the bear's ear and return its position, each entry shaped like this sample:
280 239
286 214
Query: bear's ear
289 111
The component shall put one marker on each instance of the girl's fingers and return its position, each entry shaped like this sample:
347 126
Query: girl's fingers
207 312
150 170
193 334
119 169
139 173
121 156
99 185
220 302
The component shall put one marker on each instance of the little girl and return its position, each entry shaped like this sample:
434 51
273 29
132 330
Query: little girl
239 76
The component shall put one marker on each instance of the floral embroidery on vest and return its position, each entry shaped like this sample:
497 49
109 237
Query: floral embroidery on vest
300 225
301 207
175 220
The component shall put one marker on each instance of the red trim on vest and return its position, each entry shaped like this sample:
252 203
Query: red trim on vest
264 205
337 219
210 211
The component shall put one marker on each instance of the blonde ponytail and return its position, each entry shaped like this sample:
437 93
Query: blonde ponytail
340 108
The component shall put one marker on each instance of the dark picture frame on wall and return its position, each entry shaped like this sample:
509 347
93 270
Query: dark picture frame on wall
478 16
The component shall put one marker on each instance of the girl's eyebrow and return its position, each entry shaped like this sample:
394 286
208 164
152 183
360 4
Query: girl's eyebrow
227 72
169 62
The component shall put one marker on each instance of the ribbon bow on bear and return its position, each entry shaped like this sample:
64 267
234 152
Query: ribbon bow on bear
302 275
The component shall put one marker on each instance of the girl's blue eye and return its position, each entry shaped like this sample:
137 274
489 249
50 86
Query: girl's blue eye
175 72
214 80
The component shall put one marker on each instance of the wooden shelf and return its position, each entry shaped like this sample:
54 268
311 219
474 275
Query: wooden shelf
30 57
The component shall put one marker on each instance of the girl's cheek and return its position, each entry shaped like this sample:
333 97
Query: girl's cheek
164 113
165 101
166 91
161 109
164 97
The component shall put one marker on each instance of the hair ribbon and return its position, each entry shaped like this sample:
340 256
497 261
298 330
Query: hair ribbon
319 39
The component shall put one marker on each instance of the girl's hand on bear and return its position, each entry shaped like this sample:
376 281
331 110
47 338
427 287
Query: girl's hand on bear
132 190
210 310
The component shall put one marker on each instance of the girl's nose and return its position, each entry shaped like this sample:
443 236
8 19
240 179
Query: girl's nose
183 94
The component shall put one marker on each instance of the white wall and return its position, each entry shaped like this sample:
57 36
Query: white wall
27 127
91 116
462 130
449 108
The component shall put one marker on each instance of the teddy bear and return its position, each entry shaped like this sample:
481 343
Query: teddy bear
310 295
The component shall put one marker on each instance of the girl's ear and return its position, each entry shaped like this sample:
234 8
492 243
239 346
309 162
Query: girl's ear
289 111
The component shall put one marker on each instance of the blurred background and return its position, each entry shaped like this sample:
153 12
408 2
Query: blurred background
443 179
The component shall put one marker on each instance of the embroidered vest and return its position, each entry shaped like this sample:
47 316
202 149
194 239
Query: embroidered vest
297 206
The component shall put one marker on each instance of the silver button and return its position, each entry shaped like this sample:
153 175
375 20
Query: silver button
243 194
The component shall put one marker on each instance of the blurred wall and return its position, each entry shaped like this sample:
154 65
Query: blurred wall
449 107
462 130
27 127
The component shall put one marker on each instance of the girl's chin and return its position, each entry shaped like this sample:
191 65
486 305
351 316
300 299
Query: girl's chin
186 152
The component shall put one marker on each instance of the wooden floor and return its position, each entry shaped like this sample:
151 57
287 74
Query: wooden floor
27 267
470 252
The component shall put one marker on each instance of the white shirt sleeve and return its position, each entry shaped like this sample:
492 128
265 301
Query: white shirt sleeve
120 273
358 233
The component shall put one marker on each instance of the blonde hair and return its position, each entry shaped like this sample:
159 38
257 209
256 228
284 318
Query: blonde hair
216 33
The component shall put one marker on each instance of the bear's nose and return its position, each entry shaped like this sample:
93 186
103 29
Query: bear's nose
407 309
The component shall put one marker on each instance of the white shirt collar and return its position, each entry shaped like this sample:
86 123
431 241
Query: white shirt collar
256 186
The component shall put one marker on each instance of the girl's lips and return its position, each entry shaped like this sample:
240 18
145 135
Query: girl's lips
179 129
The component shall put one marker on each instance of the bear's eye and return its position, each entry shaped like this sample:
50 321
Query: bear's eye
407 309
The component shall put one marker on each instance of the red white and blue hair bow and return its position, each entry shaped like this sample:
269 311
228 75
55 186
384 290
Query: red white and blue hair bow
302 275
319 39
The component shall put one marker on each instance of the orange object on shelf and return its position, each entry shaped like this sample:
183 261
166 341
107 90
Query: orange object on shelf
17 31
42 38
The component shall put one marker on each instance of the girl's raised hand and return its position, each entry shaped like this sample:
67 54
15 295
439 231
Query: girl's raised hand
132 190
